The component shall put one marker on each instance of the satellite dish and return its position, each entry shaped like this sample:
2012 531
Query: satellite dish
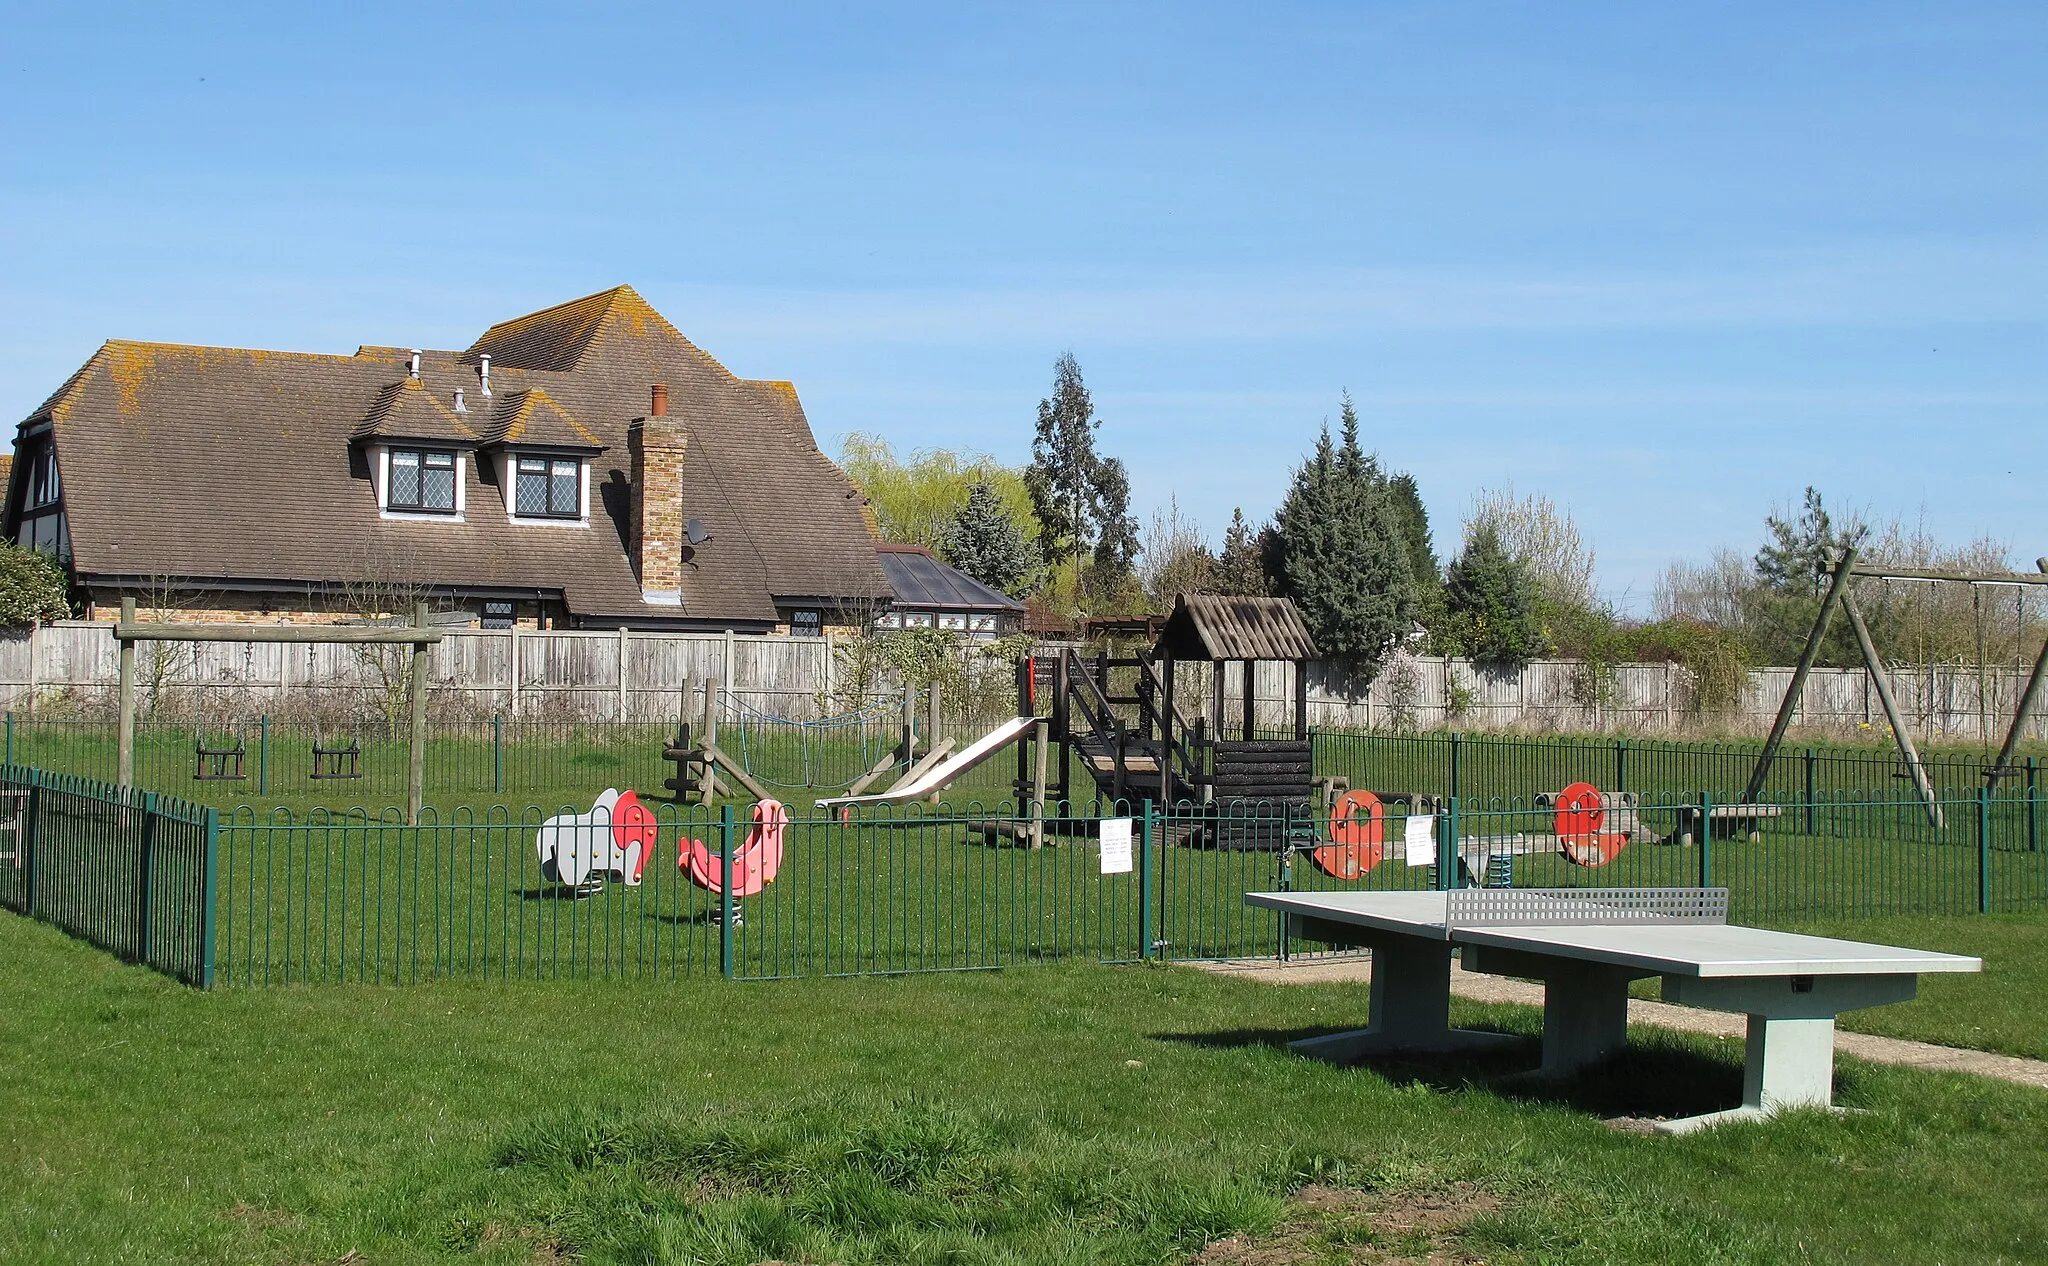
694 533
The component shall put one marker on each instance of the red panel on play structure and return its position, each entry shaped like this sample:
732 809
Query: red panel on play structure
1358 826
754 864
633 823
1581 813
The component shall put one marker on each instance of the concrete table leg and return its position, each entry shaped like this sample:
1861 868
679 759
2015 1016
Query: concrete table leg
1585 1015
1410 1008
1788 1064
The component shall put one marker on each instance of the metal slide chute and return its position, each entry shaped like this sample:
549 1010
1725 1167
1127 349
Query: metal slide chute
943 774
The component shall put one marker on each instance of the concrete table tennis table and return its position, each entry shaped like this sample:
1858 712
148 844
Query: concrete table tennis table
1586 945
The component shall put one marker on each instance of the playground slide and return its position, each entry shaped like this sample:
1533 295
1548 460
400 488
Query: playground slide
942 775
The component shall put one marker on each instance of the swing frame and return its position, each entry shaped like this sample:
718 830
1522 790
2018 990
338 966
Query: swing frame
417 635
1843 569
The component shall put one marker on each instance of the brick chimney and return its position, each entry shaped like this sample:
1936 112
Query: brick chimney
656 443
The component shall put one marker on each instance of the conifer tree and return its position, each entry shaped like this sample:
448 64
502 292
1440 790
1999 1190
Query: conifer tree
1064 467
1241 567
1491 600
1343 552
986 543
1083 500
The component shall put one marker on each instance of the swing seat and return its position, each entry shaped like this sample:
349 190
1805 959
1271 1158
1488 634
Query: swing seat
218 763
338 760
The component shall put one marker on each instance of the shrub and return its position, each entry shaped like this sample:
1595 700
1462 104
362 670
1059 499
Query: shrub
33 586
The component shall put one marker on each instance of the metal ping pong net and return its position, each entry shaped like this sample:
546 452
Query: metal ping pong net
1546 907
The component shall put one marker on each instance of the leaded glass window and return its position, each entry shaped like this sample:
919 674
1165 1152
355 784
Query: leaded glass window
422 479
548 487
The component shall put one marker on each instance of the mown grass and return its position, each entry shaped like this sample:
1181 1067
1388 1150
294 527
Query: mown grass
1059 1114
2003 1009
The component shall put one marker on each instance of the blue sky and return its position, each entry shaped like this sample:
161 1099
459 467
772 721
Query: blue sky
1666 263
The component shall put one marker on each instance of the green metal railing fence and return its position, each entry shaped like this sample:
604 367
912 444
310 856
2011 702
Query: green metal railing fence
499 758
276 896
132 872
465 759
1503 767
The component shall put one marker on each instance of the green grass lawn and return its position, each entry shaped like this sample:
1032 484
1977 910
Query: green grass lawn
2003 1009
1054 1114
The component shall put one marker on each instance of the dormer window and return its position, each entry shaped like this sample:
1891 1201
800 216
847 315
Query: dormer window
548 488
421 481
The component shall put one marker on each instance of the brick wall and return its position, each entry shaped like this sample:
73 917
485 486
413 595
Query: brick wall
657 446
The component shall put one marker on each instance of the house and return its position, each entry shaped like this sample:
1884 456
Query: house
585 466
932 595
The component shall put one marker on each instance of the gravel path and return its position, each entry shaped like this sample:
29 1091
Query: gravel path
1878 1050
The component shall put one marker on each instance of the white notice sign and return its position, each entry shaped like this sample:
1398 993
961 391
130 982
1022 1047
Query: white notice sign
1116 846
1418 840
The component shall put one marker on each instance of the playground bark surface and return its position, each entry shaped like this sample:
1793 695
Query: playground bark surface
1061 1113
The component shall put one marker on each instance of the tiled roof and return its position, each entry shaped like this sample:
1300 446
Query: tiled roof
921 581
532 417
406 410
231 464
556 339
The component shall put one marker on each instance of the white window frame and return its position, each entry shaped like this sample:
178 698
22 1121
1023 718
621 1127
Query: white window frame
508 481
380 475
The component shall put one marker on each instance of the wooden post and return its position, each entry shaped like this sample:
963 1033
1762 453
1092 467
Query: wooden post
125 759
1166 731
709 791
1041 735
512 669
1250 697
1025 707
416 763
625 646
1300 699
1891 711
2003 765
1062 723
931 718
1837 585
35 635
907 743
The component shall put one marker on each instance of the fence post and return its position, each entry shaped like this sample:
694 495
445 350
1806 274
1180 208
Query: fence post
1620 765
10 748
145 874
2032 804
263 755
1812 823
624 655
1706 839
497 751
725 902
28 844
1457 749
124 760
1983 850
1447 856
416 760
208 910
1145 946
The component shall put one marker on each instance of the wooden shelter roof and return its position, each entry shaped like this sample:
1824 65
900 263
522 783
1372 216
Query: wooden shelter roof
1208 626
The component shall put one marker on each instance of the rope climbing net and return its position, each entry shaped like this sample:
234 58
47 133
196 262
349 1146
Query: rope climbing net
828 754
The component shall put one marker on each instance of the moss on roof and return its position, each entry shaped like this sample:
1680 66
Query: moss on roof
534 417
